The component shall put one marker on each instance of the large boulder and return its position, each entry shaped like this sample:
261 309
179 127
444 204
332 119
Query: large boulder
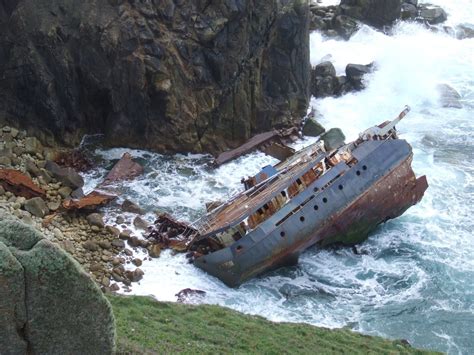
68 176
431 14
378 13
163 75
48 304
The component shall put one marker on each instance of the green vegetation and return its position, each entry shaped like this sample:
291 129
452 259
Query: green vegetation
146 326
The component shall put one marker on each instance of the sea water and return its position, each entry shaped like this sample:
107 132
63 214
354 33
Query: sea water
413 278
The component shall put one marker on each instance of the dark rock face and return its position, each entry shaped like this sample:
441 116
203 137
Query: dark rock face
48 304
324 81
378 13
168 75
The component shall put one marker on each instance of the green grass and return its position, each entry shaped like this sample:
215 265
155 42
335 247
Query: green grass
145 326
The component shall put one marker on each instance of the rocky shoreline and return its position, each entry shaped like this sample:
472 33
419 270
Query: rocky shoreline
104 251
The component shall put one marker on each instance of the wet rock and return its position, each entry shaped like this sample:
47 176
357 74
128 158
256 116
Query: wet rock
129 206
333 139
135 275
68 176
356 72
134 242
431 14
140 223
118 243
37 207
96 219
188 295
113 231
53 205
137 262
449 96
345 26
128 252
125 235
408 12
154 251
114 287
312 128
378 13
120 220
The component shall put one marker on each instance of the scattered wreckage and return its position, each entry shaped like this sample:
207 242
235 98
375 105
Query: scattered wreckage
313 197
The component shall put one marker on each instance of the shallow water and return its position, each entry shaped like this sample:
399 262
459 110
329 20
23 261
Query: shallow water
414 276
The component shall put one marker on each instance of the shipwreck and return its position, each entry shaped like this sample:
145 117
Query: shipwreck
313 197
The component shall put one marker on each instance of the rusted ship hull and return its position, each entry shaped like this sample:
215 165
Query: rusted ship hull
345 210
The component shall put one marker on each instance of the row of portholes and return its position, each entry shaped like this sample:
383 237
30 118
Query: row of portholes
325 200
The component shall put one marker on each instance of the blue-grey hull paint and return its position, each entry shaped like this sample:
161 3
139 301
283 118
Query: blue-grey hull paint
274 244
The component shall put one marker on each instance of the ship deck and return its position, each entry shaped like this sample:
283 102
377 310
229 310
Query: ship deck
248 202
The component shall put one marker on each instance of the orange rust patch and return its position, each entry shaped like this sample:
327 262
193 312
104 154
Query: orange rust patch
19 184
91 201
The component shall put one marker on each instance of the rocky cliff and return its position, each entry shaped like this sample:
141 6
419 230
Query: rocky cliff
167 75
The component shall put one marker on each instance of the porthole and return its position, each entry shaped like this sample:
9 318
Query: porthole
364 167
316 189
302 218
282 234
316 207
325 200
239 247
358 173
340 187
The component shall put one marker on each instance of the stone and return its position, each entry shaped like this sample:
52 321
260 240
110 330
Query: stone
129 206
137 262
312 128
114 287
5 161
48 304
356 72
409 11
135 275
90 245
14 132
134 241
120 220
125 235
324 69
65 192
68 176
53 205
431 14
104 244
96 219
68 246
113 231
33 145
37 207
118 243
377 13
154 251
32 168
140 223
333 139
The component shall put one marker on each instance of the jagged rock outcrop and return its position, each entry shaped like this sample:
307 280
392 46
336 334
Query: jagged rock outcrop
48 304
168 75
325 82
